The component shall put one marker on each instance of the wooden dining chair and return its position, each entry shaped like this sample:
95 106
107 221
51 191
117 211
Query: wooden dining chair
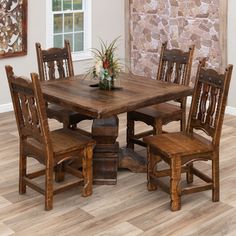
55 63
174 67
49 148
200 141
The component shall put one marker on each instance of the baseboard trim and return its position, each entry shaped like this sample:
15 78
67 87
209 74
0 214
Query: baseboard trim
230 110
6 107
9 107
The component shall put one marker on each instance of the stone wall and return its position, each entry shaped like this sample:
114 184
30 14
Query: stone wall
180 22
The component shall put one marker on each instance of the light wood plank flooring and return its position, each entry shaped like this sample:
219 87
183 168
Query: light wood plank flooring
125 209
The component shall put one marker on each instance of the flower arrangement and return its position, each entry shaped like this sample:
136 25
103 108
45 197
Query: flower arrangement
107 67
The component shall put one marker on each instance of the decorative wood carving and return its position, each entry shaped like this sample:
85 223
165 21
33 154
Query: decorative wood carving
13 28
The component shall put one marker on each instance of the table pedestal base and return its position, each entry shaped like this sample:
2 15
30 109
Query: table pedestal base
105 154
129 159
108 157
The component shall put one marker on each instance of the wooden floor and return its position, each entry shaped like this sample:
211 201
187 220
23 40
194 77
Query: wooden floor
125 209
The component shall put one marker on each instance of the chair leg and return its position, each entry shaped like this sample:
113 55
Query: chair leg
87 164
129 132
73 126
66 124
189 174
157 126
49 188
60 172
215 178
183 121
150 166
175 183
22 171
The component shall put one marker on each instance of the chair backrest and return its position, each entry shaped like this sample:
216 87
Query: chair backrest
209 102
29 108
54 62
175 65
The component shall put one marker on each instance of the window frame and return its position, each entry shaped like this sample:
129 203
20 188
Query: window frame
76 56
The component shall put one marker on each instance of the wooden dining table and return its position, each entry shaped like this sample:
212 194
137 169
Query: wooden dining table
78 94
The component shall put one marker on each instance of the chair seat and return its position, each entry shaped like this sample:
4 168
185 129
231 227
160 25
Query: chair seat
63 141
66 140
181 143
162 110
61 114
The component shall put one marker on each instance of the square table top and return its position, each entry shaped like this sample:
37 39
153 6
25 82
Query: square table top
137 91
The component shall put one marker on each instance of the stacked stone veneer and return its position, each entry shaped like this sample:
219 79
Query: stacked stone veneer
181 23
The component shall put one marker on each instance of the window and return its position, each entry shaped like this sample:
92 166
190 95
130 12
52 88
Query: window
71 20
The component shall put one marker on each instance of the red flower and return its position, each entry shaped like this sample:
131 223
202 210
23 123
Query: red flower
106 64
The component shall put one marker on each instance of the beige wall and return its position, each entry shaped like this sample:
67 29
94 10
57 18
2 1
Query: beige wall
107 23
232 50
